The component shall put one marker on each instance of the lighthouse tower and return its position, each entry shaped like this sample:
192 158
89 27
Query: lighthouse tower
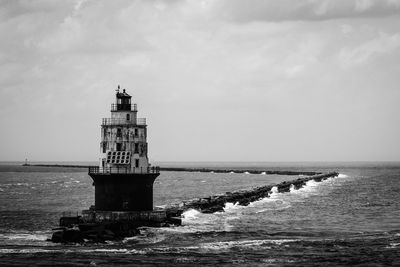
124 178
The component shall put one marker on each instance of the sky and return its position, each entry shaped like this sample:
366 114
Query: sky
217 80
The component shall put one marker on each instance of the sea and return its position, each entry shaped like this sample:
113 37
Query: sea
351 220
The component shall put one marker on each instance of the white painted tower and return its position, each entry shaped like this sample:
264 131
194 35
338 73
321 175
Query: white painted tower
124 137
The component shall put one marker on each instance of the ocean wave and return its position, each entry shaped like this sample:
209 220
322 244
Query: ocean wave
393 245
206 246
255 244
195 220
25 236
274 191
232 206
341 175
15 184
147 236
280 201
190 214
115 250
292 188
26 251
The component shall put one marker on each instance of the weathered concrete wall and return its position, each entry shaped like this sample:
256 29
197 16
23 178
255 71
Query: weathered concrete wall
132 138
105 216
121 115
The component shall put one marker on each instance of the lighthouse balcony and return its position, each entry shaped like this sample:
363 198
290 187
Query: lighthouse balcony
110 121
123 170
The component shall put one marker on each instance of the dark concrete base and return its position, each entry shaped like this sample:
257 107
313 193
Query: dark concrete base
124 192
100 226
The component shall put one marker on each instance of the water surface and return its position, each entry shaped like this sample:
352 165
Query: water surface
353 219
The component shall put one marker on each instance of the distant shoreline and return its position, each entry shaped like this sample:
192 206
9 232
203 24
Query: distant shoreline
208 170
58 165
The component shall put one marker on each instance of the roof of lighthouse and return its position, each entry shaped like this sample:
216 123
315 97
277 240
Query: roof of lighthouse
123 94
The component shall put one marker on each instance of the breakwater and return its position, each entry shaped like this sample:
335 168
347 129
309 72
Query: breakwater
176 169
242 197
284 172
57 165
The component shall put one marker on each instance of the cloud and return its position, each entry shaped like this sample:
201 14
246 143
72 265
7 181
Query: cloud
361 54
217 64
288 10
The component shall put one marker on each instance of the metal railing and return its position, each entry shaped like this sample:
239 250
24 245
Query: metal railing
123 107
123 170
110 121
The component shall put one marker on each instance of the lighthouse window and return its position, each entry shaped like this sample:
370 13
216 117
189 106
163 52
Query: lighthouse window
119 146
136 163
119 132
128 117
136 148
136 132
104 147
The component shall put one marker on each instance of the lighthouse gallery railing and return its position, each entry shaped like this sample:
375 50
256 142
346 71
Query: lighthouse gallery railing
123 170
110 121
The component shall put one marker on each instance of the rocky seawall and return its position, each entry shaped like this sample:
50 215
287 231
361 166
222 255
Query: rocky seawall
242 197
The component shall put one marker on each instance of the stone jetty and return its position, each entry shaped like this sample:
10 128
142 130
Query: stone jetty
242 197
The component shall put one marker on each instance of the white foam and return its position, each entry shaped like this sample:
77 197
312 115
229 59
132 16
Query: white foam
217 246
274 192
25 236
146 236
28 251
231 206
341 175
246 173
292 188
190 214
393 245
119 250
232 172
263 173
250 244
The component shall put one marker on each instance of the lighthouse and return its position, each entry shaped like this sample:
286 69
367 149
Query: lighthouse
123 182
124 179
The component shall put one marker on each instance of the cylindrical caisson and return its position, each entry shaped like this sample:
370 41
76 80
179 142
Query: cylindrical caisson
124 192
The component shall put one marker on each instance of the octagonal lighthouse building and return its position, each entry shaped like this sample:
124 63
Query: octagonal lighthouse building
124 178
